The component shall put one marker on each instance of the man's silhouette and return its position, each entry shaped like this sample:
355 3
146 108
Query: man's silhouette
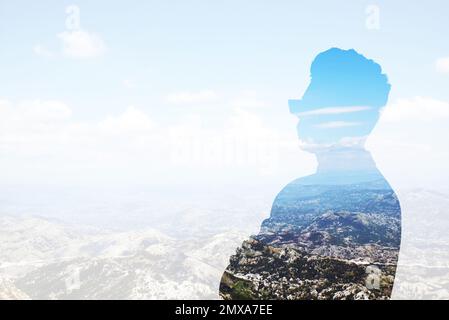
334 234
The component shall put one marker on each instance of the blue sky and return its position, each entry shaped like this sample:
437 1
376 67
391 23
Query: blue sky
192 45
173 60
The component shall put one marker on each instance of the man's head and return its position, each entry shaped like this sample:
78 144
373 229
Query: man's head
342 103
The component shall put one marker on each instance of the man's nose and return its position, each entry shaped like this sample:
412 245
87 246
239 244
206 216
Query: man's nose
294 106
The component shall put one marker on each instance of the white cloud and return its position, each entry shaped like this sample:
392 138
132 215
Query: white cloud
248 99
337 124
242 141
31 127
81 44
42 51
188 97
131 145
333 110
40 138
129 84
416 109
42 111
45 110
442 65
132 121
410 142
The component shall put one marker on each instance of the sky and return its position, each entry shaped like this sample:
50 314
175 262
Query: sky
196 92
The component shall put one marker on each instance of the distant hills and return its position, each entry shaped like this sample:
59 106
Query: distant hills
46 259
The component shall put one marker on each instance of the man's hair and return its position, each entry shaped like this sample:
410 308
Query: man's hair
344 78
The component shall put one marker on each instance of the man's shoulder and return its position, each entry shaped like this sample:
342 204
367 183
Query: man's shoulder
297 187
